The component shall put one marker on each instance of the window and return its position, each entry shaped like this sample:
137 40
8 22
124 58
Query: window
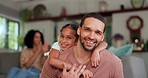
9 31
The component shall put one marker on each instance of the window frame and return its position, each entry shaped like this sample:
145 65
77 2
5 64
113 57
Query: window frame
7 20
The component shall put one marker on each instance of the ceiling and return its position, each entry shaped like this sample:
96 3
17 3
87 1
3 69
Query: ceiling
18 4
72 6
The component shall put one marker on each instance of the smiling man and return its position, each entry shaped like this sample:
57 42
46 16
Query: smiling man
91 33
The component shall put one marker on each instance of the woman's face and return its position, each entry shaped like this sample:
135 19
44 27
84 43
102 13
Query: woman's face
67 39
37 38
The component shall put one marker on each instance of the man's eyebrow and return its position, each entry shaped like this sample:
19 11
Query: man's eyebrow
98 31
87 27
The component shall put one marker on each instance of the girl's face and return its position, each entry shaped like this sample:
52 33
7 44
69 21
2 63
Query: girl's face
67 39
37 38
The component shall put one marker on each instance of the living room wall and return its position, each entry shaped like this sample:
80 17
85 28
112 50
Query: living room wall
119 21
46 27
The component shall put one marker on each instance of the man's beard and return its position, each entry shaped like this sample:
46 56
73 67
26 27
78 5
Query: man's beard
85 47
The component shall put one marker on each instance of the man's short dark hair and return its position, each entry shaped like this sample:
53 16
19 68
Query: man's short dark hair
94 15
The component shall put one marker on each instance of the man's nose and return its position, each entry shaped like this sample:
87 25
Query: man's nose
91 35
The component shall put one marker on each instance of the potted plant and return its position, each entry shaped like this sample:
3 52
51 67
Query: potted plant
25 14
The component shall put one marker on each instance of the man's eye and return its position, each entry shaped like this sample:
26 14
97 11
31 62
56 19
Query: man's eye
87 30
99 33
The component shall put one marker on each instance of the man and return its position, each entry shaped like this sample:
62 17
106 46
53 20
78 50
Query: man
91 33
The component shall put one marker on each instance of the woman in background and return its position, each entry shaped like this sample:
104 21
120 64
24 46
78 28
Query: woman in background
32 58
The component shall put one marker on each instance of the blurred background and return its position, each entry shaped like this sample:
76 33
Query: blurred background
19 16
126 21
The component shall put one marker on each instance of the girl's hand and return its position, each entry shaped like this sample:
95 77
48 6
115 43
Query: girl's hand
87 74
95 59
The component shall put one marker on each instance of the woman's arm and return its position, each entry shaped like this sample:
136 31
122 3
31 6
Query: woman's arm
27 59
54 61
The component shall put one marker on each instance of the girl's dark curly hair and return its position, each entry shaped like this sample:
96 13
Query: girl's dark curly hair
28 40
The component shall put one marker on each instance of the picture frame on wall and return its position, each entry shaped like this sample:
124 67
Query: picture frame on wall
137 3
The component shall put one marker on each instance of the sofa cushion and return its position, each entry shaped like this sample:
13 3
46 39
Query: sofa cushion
3 76
8 60
122 51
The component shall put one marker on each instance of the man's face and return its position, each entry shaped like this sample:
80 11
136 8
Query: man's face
91 33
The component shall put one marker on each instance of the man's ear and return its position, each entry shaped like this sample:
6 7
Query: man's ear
102 38
78 30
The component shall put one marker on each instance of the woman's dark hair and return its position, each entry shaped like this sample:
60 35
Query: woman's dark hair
28 40
73 27
94 15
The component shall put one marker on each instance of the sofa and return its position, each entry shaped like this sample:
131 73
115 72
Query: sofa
143 56
135 65
7 61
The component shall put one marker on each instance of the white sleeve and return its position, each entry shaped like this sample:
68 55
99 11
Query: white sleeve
56 46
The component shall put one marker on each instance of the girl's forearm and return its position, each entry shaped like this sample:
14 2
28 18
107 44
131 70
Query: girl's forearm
59 63
101 46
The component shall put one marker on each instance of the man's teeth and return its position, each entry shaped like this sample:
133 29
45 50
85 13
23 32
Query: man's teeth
90 42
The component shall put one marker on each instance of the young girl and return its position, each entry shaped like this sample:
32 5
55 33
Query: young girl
67 39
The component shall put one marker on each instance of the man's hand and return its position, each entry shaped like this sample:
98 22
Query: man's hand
73 73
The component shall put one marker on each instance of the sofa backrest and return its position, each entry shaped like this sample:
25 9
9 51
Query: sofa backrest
133 67
8 60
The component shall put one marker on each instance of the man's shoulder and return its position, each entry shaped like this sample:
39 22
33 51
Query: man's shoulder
106 54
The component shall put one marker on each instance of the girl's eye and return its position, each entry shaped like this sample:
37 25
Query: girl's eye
69 38
61 36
